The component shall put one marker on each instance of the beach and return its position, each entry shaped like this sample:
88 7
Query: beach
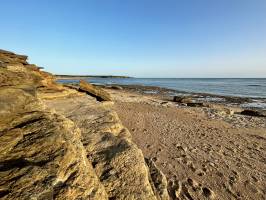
205 152
133 100
81 141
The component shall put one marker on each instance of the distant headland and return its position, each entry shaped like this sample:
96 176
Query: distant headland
88 76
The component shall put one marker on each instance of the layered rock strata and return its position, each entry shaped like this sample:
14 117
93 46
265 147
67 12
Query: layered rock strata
58 143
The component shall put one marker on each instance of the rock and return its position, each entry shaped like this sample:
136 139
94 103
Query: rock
178 189
94 91
116 159
182 99
225 111
58 143
255 113
229 111
7 57
41 154
158 181
197 104
116 87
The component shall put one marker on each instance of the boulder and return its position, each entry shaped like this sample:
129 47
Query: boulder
182 99
94 91
116 87
226 111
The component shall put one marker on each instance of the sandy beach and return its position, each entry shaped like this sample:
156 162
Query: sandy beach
133 100
205 153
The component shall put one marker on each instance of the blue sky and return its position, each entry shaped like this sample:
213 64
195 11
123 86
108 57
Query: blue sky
141 38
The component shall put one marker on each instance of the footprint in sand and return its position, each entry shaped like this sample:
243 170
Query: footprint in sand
190 189
233 178
207 193
200 172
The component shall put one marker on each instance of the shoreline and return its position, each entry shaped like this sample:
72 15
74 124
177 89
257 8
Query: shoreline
168 94
253 103
123 142
204 152
171 87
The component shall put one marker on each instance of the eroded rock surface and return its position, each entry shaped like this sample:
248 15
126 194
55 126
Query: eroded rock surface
116 159
94 91
41 154
58 143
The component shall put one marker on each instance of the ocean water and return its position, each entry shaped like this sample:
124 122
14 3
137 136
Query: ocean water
240 87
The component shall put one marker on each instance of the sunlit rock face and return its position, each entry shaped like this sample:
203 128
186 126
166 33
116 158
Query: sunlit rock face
41 154
59 143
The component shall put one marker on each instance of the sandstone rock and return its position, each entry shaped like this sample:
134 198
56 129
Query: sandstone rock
158 180
41 154
182 99
225 111
222 109
7 57
57 143
116 87
94 91
116 159
178 189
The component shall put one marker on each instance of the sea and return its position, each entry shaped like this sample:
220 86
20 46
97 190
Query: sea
240 87
236 87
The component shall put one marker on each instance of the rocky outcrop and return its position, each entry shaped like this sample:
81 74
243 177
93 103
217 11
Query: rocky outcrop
94 91
182 99
58 143
41 154
7 58
117 161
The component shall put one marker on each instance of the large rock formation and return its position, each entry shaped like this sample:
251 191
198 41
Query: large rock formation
41 154
58 143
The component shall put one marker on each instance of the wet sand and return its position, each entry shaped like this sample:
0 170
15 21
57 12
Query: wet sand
204 153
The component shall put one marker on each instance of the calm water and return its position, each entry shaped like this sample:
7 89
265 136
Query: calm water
255 88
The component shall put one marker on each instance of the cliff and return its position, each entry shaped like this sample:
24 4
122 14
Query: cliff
60 143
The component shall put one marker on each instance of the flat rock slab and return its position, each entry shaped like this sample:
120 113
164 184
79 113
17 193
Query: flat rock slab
94 91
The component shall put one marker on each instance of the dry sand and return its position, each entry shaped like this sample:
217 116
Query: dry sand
202 157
